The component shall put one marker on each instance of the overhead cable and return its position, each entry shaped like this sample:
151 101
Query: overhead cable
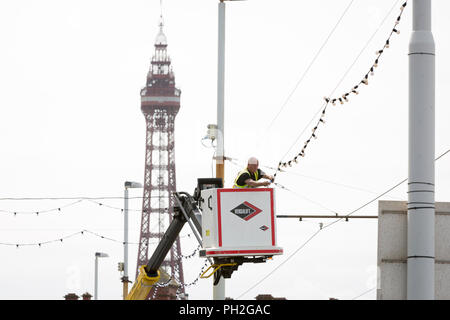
310 65
345 96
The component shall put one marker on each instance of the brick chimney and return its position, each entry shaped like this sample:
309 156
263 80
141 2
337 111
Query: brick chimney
71 296
86 296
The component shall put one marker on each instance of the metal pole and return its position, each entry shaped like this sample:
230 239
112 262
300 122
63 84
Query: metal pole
96 278
125 245
421 202
220 152
219 289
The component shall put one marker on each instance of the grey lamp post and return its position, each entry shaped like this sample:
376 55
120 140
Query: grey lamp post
421 177
98 255
219 289
128 185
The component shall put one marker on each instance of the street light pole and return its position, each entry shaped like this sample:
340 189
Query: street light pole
421 201
219 288
125 244
220 152
125 280
97 255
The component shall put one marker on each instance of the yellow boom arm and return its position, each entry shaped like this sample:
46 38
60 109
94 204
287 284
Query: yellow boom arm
149 275
142 285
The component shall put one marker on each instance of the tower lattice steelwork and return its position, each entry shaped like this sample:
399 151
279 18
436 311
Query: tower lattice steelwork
160 102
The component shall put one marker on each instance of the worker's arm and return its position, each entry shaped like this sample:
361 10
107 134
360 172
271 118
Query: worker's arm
268 176
264 175
253 183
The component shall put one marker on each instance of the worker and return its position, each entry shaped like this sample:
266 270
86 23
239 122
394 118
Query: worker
248 178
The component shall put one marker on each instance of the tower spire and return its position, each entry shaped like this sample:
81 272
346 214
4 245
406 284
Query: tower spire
161 19
161 37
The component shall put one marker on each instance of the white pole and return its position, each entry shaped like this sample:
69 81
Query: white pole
96 278
125 244
220 152
421 203
219 289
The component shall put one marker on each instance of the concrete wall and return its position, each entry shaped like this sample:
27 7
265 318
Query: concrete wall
392 250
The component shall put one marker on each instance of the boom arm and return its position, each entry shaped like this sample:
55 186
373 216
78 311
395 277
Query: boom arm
149 275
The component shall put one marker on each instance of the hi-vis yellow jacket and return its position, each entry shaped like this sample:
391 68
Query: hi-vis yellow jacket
245 185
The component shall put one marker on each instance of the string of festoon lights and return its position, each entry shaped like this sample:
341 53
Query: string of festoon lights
41 243
82 232
59 209
37 212
344 97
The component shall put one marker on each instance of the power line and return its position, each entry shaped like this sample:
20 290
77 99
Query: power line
365 292
310 65
307 199
367 203
319 216
344 97
330 182
68 198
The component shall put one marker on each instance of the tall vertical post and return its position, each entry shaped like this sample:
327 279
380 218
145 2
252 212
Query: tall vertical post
219 289
421 203
97 255
125 244
220 163
96 278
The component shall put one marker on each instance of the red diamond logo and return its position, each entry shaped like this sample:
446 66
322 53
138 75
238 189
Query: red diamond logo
264 228
246 211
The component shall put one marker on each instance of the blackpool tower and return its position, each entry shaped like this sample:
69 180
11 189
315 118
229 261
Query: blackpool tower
160 102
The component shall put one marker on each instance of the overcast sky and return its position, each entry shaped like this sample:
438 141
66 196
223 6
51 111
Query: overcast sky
71 126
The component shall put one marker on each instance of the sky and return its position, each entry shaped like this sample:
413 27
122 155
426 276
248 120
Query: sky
71 127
